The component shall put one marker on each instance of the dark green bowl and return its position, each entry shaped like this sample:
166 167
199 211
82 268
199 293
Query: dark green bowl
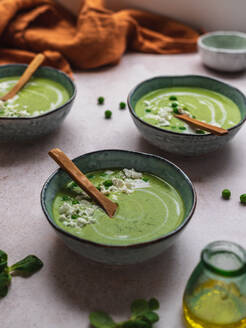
180 143
27 128
106 159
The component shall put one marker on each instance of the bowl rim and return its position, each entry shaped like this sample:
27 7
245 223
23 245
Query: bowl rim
208 35
186 135
48 112
136 245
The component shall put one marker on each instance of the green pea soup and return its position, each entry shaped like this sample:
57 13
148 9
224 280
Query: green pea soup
151 210
159 107
38 96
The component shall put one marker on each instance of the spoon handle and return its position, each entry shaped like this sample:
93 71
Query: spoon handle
31 68
67 165
201 125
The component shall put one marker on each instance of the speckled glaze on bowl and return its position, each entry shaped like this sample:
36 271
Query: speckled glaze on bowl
105 159
223 50
180 143
24 129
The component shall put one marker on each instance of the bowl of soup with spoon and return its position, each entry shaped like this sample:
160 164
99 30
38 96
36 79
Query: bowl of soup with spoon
154 103
39 107
156 200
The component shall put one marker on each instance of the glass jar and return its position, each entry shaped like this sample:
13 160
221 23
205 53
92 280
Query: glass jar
215 295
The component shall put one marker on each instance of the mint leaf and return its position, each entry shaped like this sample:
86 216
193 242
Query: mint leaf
27 266
151 317
4 291
139 306
3 260
101 319
5 279
153 304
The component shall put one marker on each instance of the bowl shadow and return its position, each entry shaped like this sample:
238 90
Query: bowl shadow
196 167
91 286
18 152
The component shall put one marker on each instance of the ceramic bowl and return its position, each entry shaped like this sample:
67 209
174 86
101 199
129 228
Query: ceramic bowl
223 50
180 143
121 255
19 128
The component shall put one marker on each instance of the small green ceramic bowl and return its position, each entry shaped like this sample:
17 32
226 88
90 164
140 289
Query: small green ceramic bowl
105 159
27 128
180 143
223 50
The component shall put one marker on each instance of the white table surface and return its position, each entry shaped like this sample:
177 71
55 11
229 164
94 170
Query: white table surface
68 287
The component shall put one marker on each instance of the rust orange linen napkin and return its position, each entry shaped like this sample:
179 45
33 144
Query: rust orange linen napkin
96 37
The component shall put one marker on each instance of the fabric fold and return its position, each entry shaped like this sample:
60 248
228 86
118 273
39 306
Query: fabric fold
96 37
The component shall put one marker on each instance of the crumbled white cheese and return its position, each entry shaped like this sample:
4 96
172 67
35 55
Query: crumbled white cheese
109 172
81 212
146 102
132 174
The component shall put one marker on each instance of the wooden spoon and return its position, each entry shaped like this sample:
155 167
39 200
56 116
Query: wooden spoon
201 125
67 165
25 77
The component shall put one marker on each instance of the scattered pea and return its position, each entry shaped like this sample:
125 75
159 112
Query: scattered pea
173 98
182 128
122 105
175 110
148 110
107 114
174 105
226 194
243 198
100 100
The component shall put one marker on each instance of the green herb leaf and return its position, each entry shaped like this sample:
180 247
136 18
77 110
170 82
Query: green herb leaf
136 324
139 306
154 304
4 291
151 317
5 279
3 260
108 183
27 266
101 319
200 132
